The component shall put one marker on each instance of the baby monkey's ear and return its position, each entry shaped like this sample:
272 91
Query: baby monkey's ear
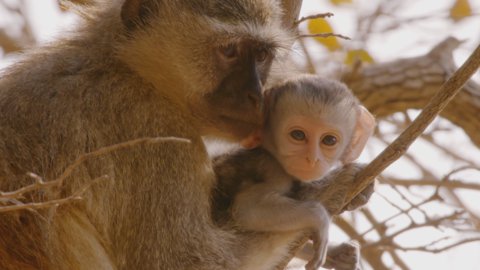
363 130
253 140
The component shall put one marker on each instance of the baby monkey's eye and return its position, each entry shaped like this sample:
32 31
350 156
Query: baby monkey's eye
297 135
329 140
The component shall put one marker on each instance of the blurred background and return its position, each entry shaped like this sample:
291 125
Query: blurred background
425 213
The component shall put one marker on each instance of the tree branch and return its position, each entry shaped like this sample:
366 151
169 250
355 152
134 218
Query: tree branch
49 203
312 17
409 83
324 35
395 150
13 197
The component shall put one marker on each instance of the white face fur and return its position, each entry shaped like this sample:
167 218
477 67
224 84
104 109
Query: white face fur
307 146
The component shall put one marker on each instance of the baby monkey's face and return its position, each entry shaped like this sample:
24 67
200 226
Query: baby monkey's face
307 147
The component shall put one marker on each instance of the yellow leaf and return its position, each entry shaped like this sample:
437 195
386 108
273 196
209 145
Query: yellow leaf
460 10
319 26
339 2
358 55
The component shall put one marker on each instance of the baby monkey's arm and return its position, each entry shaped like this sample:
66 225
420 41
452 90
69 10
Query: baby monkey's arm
264 207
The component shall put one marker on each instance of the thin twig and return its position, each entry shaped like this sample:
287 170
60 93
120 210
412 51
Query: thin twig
41 184
428 248
324 35
37 205
111 148
49 203
315 16
452 184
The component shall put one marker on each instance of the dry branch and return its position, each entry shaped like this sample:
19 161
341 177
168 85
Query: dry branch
324 35
409 83
49 203
395 150
111 148
452 184
13 197
316 16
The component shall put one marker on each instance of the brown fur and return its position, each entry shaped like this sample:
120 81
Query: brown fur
112 81
242 168
256 192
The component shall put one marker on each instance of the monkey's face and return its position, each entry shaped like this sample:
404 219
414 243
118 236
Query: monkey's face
235 104
307 147
230 101
210 57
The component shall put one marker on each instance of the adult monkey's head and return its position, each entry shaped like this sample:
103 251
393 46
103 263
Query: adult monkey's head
212 57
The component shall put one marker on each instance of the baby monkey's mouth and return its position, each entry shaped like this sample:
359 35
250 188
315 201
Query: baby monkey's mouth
299 171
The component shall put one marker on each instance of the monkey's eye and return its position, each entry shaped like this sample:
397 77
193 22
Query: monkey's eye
329 140
229 51
297 135
262 55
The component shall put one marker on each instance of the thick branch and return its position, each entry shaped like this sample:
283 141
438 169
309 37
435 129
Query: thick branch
433 108
410 83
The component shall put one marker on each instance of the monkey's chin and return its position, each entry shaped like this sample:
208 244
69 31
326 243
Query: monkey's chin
306 175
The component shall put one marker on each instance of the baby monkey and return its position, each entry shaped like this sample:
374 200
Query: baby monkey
311 124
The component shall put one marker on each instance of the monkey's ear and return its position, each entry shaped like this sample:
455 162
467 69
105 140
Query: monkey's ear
136 12
253 140
363 130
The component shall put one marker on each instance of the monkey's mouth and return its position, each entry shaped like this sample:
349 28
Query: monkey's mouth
307 175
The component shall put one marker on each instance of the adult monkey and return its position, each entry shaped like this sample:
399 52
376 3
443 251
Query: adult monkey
144 68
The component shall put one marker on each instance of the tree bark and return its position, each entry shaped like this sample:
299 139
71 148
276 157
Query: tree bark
410 84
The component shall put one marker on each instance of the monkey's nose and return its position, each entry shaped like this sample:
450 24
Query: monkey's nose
313 154
312 161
